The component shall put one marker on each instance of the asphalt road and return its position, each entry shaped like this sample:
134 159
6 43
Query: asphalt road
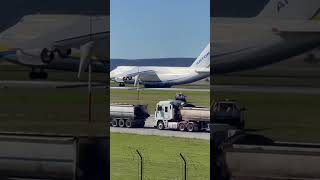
265 89
163 89
215 88
151 130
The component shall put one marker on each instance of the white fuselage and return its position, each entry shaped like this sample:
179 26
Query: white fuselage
246 43
159 76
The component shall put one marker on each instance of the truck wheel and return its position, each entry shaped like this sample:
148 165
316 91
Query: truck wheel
182 127
114 123
129 124
160 125
191 127
121 123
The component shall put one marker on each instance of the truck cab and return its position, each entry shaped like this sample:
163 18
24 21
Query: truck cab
228 112
164 112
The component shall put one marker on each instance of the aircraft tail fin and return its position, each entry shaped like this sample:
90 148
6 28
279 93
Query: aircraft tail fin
203 60
291 9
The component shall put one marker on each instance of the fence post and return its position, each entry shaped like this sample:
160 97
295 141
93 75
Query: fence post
141 164
185 166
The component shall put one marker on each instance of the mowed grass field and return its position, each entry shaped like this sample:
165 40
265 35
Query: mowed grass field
282 117
161 157
53 111
152 97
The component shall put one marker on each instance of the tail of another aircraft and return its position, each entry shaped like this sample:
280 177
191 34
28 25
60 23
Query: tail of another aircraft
291 9
203 61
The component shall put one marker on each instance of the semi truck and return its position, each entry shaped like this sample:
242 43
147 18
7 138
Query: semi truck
228 112
178 115
182 116
128 115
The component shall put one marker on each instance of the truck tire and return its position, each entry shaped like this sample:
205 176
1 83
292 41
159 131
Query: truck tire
182 126
192 127
160 125
129 124
122 123
114 123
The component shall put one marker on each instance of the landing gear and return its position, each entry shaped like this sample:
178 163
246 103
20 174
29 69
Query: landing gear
38 75
122 85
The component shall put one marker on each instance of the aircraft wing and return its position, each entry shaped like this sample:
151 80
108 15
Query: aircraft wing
148 76
306 29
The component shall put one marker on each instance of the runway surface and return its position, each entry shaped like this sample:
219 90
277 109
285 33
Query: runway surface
266 89
163 89
215 88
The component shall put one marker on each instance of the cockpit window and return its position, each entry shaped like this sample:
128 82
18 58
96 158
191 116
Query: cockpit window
237 8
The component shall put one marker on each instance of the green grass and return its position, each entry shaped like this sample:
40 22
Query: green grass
161 154
49 110
283 117
152 97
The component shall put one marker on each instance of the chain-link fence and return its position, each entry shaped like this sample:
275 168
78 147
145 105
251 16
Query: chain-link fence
141 164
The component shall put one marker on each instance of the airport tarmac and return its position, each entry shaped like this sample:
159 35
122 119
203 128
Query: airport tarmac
163 89
265 89
215 88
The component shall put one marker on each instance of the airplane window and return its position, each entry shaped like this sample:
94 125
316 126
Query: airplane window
236 8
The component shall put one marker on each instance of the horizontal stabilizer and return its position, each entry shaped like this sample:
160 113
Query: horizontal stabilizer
203 70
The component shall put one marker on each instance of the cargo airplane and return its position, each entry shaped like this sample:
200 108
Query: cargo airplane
160 77
248 34
57 42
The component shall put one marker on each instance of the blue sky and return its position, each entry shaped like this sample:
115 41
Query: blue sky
159 28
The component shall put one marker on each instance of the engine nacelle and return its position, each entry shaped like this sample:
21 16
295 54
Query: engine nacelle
63 53
46 56
41 56
34 56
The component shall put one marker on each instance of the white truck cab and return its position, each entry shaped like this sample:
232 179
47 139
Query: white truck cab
164 114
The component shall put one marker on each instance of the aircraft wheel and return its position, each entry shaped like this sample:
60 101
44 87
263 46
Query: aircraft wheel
33 75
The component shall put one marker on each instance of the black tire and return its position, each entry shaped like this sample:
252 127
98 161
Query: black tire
114 123
182 126
122 123
160 125
190 127
129 124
